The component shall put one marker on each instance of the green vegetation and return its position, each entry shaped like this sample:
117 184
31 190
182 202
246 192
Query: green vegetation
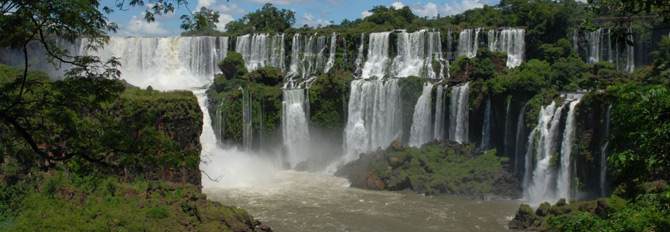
329 96
202 22
68 202
266 19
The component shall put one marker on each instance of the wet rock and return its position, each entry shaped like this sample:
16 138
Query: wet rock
396 145
369 180
265 228
603 207
543 209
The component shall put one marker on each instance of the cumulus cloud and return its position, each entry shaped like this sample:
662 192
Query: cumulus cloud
223 20
457 8
231 9
366 13
312 21
429 9
137 26
398 5
204 3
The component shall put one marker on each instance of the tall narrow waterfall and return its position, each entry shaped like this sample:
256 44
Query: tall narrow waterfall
564 170
546 179
307 56
220 121
420 132
416 53
294 126
374 118
510 41
450 44
439 114
164 63
518 148
601 46
359 57
260 50
247 120
459 110
468 42
378 56
331 54
630 51
508 133
603 154
486 127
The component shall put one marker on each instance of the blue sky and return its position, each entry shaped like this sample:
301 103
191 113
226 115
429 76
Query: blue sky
311 12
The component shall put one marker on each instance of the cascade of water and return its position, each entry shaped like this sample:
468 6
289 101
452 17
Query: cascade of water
600 46
518 148
538 181
261 126
435 49
295 57
294 126
459 113
510 41
411 54
374 118
378 56
420 131
247 119
450 49
331 54
486 127
575 40
630 51
603 154
164 63
220 123
507 134
359 57
320 48
260 50
564 170
468 42
345 56
439 114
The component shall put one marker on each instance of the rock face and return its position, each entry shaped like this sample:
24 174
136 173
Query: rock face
436 168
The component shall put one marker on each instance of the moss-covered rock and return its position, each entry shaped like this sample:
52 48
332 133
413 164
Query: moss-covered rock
232 66
435 168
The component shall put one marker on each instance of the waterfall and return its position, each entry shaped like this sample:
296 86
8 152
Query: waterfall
630 51
295 57
518 148
378 56
420 132
439 114
486 127
416 53
450 49
374 118
603 154
307 56
220 121
468 42
247 120
459 110
164 63
507 133
510 41
546 179
359 57
260 50
294 126
564 170
331 54
600 46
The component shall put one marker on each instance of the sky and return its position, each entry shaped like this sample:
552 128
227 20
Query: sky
311 12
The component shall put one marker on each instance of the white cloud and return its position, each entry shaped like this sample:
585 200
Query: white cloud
137 26
430 9
312 21
398 5
366 13
457 8
223 20
279 2
232 8
204 3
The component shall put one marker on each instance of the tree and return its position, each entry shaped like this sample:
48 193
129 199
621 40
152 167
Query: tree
266 19
630 8
202 21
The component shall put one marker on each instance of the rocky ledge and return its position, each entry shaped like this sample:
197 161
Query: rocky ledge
435 168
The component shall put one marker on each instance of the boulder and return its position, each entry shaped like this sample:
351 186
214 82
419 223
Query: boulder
394 161
396 145
369 180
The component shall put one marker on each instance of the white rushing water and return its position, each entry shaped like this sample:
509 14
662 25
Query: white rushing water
162 62
459 111
374 118
331 53
439 114
603 154
510 41
518 148
294 126
416 53
546 180
247 120
378 56
468 42
486 127
260 50
420 132
359 57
